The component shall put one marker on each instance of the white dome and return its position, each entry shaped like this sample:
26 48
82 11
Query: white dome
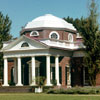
49 21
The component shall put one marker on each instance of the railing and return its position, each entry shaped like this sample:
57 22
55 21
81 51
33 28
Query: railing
63 44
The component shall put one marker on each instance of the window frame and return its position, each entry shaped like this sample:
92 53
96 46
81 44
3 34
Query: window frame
53 33
72 39
31 34
24 46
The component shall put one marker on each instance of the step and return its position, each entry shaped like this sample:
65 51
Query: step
16 89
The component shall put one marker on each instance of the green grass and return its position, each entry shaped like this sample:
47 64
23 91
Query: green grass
32 96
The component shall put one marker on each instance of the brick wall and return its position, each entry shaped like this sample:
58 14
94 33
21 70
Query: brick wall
77 71
10 66
44 34
65 61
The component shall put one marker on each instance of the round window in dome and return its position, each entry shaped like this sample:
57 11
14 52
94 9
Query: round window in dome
54 35
70 37
34 33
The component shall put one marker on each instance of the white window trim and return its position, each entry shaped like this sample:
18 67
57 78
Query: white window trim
70 34
31 34
24 47
52 33
78 35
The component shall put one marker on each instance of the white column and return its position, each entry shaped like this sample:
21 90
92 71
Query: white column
5 72
57 70
48 71
68 77
15 70
33 71
19 83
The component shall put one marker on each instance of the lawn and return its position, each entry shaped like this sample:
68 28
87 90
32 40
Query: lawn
31 96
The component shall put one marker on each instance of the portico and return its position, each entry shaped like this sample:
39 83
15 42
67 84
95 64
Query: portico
17 71
38 50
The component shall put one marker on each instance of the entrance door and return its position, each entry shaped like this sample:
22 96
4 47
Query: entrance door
25 71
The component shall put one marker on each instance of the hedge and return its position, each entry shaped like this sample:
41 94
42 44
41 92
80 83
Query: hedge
75 90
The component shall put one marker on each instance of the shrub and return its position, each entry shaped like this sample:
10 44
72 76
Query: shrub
40 80
54 82
75 90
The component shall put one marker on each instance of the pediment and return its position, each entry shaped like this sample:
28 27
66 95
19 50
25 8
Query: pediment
24 43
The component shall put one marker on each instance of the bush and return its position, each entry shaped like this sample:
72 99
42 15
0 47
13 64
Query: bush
46 88
75 90
54 82
40 80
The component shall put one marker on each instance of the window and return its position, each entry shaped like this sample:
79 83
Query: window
54 35
78 35
25 44
70 37
34 33
85 76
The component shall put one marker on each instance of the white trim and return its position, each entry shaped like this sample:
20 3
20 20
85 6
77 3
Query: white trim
78 36
57 70
31 34
52 33
5 72
26 46
48 71
22 38
70 34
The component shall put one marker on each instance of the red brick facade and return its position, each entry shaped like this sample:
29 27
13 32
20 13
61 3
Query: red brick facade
44 34
63 63
10 66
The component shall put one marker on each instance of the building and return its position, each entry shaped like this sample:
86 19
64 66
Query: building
48 46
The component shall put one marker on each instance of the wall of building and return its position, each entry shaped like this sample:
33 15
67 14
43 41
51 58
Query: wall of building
65 61
77 71
10 66
44 34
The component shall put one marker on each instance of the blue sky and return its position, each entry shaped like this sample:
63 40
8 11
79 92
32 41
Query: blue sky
23 11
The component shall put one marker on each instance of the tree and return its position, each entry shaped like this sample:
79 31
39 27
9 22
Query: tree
89 29
91 35
5 26
76 22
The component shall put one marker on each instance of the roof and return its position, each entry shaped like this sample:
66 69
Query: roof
49 21
38 44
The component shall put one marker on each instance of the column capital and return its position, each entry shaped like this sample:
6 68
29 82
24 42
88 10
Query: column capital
32 56
18 57
4 57
48 55
57 56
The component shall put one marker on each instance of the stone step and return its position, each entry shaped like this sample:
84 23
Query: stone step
16 89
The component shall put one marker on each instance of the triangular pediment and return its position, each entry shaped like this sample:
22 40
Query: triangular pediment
31 44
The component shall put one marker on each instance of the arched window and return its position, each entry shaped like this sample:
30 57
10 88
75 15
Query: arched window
54 35
25 44
34 33
70 37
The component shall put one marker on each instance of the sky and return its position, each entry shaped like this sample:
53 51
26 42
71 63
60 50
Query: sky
21 12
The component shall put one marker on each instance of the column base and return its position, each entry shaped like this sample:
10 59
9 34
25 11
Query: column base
59 84
32 84
49 85
19 84
5 85
68 86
